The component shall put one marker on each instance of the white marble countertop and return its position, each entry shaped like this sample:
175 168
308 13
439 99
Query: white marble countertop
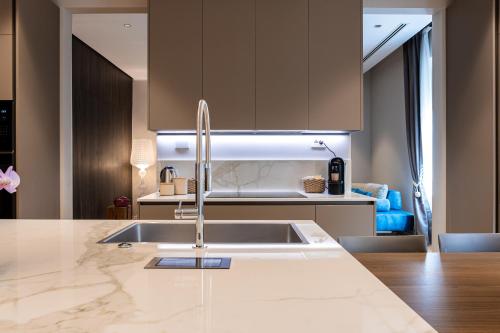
309 197
54 277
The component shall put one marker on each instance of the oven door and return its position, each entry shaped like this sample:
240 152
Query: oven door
7 200
6 126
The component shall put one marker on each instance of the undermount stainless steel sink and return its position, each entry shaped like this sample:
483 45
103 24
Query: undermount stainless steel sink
225 233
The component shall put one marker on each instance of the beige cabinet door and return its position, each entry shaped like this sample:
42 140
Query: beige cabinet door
229 63
259 212
6 68
346 220
159 212
281 64
6 13
233 212
335 65
175 63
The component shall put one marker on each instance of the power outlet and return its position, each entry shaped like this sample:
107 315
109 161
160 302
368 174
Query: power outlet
317 144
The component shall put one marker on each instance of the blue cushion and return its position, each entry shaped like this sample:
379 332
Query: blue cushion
360 191
383 205
395 199
395 220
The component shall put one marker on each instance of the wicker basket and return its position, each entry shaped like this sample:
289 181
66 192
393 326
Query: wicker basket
314 185
191 185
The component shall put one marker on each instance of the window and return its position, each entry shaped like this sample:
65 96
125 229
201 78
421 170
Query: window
426 110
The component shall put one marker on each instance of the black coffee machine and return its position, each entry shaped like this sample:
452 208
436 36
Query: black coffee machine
336 176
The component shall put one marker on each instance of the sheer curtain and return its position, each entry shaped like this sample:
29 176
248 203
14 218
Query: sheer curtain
426 110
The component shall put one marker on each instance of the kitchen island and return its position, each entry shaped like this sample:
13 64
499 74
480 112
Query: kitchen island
55 277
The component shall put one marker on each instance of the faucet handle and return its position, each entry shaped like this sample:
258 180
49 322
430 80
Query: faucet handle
185 214
208 177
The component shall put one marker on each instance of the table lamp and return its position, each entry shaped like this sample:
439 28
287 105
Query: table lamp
142 157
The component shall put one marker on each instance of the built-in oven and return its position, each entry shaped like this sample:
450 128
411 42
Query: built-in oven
7 156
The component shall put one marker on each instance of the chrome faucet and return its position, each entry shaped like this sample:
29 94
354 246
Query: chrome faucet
203 174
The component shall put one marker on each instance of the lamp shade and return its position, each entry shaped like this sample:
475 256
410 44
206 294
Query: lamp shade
143 155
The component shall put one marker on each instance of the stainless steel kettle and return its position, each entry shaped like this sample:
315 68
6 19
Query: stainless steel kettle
167 174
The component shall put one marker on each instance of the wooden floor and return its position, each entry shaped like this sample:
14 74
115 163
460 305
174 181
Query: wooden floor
453 292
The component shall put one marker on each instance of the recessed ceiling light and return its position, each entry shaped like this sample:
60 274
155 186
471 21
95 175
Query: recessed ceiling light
127 25
377 26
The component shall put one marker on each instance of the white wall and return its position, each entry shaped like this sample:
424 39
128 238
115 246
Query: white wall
361 142
140 131
390 162
379 152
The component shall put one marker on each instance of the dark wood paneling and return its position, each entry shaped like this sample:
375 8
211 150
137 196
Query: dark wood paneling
454 292
102 132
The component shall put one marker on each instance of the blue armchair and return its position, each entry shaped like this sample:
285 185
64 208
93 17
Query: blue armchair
390 216
395 219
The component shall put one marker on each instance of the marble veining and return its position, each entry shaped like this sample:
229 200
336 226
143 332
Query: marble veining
54 277
257 175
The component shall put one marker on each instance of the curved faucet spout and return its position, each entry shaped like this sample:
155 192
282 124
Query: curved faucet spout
203 116
202 174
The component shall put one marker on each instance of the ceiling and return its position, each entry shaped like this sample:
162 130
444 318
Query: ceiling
127 48
377 27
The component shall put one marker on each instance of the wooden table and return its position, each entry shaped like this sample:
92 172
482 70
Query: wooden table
455 292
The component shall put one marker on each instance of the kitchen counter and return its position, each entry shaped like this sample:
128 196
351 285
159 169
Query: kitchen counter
350 197
54 277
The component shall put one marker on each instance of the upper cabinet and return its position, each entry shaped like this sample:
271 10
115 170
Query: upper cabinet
6 68
335 65
229 63
260 64
281 64
175 63
6 50
6 14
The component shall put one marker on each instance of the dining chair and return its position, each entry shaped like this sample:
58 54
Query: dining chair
477 242
374 244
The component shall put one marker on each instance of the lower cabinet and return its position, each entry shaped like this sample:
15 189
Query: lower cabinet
346 220
336 220
260 212
157 212
234 212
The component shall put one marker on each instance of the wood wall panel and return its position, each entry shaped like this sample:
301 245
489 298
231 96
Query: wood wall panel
102 132
470 116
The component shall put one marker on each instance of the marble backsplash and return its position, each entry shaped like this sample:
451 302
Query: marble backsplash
258 175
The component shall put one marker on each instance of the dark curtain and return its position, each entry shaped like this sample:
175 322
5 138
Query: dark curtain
422 212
